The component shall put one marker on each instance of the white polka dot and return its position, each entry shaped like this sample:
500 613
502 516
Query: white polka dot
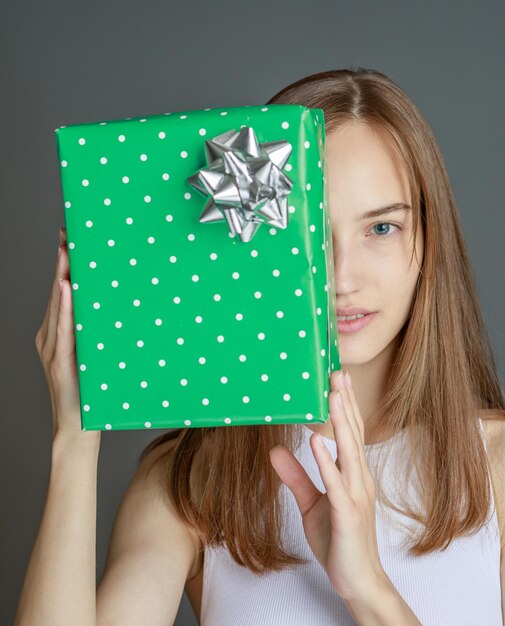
261 336
323 352
165 403
68 205
213 256
202 131
245 399
107 201
220 338
223 379
147 424
227 420
85 182
242 358
147 198
198 319
158 322
295 250
114 283
121 138
143 384
280 314
64 163
305 375
125 179
195 278
187 422
257 294
82 368
286 397
202 360
184 154
283 356
96 305
191 237
306 144
162 362
100 346
183 117
108 426
298 292
264 377
187 195
82 141
104 386
217 297
184 382
177 300
205 401
276 273
122 365
308 186
239 317
126 405
180 340
143 157
165 176
285 125
86 407
162 135
268 418
173 259
254 253
302 333
309 416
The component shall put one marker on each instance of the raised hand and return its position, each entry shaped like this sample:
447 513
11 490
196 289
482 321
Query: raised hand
339 524
55 343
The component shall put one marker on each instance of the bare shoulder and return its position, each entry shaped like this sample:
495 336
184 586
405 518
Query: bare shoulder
150 479
494 434
151 552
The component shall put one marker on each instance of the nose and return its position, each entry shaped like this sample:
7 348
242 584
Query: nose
346 267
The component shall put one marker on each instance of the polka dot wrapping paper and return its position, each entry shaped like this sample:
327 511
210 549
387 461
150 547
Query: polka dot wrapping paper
178 323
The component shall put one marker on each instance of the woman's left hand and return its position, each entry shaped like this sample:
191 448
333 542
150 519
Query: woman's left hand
339 524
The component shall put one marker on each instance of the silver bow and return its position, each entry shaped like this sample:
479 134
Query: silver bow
245 181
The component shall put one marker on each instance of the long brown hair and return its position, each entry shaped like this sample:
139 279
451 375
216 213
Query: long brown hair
443 377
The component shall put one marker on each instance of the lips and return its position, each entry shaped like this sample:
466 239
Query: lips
352 311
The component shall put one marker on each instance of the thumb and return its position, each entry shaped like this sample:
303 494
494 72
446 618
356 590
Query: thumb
294 476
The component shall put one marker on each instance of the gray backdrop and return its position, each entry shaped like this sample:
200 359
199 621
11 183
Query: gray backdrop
66 62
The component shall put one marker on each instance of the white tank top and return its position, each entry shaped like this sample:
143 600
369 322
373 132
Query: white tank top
459 586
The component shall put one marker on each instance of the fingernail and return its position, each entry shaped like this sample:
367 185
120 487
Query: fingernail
341 381
348 379
339 399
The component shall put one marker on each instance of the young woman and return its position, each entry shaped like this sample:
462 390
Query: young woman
263 524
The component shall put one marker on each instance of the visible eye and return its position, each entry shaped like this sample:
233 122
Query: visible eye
385 233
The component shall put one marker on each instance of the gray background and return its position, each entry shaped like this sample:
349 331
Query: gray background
66 62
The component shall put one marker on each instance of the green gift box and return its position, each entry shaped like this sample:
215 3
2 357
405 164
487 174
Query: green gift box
179 322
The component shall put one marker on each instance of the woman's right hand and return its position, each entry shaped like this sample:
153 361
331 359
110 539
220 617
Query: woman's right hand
55 343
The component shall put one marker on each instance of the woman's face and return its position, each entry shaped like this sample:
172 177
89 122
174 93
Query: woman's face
371 254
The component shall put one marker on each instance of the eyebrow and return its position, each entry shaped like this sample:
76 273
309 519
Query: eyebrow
397 206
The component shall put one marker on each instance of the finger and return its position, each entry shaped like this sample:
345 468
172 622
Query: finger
294 476
349 408
54 304
330 475
348 451
354 402
47 312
